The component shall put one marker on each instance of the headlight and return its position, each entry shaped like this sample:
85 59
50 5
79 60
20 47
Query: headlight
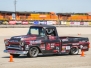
6 42
22 43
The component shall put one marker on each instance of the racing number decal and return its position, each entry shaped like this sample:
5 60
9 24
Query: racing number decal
48 46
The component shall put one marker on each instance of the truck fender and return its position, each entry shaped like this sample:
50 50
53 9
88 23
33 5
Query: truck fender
74 46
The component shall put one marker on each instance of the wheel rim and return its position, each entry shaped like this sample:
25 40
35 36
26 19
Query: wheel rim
75 50
34 51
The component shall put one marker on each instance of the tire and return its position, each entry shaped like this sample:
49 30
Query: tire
33 52
15 55
74 51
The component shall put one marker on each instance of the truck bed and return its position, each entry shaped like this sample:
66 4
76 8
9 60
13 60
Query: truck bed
73 39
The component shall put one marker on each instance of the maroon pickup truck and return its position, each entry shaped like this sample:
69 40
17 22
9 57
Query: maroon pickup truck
44 39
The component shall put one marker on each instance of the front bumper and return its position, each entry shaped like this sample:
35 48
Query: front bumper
15 52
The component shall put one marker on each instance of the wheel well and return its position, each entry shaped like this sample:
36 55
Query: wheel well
38 48
74 47
71 48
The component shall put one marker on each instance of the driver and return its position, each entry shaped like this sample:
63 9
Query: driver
50 32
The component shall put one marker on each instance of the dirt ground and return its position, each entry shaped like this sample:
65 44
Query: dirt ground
48 61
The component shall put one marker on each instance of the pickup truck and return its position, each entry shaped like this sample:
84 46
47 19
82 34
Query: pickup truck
44 39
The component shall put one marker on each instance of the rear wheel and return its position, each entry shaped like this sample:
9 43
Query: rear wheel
33 52
74 51
15 55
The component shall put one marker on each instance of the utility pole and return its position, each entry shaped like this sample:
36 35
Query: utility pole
15 8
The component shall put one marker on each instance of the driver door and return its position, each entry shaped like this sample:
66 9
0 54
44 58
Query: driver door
52 43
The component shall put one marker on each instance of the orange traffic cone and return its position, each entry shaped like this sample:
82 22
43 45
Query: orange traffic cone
79 34
11 58
82 53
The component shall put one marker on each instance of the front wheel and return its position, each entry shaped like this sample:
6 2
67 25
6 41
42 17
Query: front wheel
74 51
33 52
15 55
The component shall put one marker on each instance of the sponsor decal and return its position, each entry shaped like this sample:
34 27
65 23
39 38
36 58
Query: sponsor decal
55 51
52 45
63 49
81 23
48 46
85 47
11 51
57 44
72 23
13 41
51 37
75 43
83 41
27 47
42 46
35 42
57 48
67 47
17 37
32 38
64 39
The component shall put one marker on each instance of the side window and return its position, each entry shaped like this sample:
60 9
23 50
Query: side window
42 33
50 32
36 31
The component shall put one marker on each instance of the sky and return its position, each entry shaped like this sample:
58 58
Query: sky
63 6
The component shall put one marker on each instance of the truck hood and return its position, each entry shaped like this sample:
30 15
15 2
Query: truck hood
25 37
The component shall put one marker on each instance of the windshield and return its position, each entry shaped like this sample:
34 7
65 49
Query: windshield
36 31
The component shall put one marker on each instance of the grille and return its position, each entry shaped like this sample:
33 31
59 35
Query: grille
14 47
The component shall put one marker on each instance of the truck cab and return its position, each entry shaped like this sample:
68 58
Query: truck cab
44 39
